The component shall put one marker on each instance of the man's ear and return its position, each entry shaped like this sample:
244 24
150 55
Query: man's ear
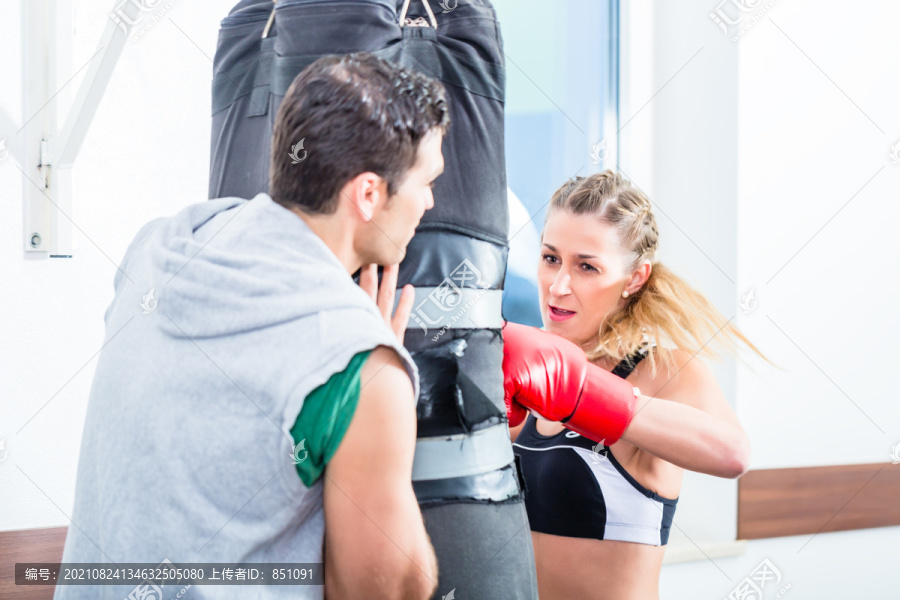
367 193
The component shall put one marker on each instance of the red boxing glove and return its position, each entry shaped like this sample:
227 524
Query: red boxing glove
550 375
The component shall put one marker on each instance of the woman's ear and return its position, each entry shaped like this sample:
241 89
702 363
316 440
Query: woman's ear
639 277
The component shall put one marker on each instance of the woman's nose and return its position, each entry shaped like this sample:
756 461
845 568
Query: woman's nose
560 286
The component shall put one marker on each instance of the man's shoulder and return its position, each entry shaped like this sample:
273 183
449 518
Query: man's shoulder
382 358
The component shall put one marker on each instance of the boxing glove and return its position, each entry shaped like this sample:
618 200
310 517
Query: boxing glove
551 375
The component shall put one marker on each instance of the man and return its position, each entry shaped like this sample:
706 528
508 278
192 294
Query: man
464 472
251 402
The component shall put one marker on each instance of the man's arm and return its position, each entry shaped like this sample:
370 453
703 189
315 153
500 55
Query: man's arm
375 540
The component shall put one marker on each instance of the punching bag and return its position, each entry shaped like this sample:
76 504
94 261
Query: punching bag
464 473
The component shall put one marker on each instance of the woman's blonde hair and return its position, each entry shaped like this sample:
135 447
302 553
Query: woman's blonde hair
665 310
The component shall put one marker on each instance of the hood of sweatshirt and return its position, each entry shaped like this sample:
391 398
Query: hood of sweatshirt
232 265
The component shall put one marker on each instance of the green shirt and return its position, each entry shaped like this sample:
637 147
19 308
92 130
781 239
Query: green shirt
324 420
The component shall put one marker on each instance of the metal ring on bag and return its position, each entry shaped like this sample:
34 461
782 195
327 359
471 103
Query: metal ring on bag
427 9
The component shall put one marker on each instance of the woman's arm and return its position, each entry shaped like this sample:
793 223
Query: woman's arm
688 422
514 432
693 428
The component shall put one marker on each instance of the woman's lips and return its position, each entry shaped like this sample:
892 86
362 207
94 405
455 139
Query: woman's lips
558 314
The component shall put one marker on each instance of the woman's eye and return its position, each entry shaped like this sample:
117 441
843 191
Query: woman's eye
549 258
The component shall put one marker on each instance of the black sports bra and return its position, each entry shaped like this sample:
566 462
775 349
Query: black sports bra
576 488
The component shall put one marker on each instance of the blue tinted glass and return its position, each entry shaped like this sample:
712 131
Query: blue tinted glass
561 119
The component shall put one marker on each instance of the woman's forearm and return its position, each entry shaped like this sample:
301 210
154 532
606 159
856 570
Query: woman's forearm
689 438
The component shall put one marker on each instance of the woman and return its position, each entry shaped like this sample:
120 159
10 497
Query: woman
600 515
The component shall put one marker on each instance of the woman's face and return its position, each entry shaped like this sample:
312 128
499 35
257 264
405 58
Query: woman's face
581 275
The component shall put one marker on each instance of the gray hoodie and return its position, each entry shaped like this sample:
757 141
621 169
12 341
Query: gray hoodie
225 317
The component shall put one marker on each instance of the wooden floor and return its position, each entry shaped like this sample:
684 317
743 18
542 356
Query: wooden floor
28 545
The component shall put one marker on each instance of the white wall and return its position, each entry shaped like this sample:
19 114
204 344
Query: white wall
753 154
678 111
146 155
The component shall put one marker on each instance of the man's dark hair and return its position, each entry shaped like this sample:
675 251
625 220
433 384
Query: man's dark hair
354 113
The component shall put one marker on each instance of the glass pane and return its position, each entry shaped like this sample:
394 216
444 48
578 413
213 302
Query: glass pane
561 105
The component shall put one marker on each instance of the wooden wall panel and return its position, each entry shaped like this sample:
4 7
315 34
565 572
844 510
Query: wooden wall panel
808 500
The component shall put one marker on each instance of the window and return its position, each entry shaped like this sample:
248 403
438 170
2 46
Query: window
561 119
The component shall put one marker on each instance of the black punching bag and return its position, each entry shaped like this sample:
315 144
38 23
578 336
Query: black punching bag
464 473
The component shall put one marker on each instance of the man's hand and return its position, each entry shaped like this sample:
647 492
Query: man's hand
384 296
